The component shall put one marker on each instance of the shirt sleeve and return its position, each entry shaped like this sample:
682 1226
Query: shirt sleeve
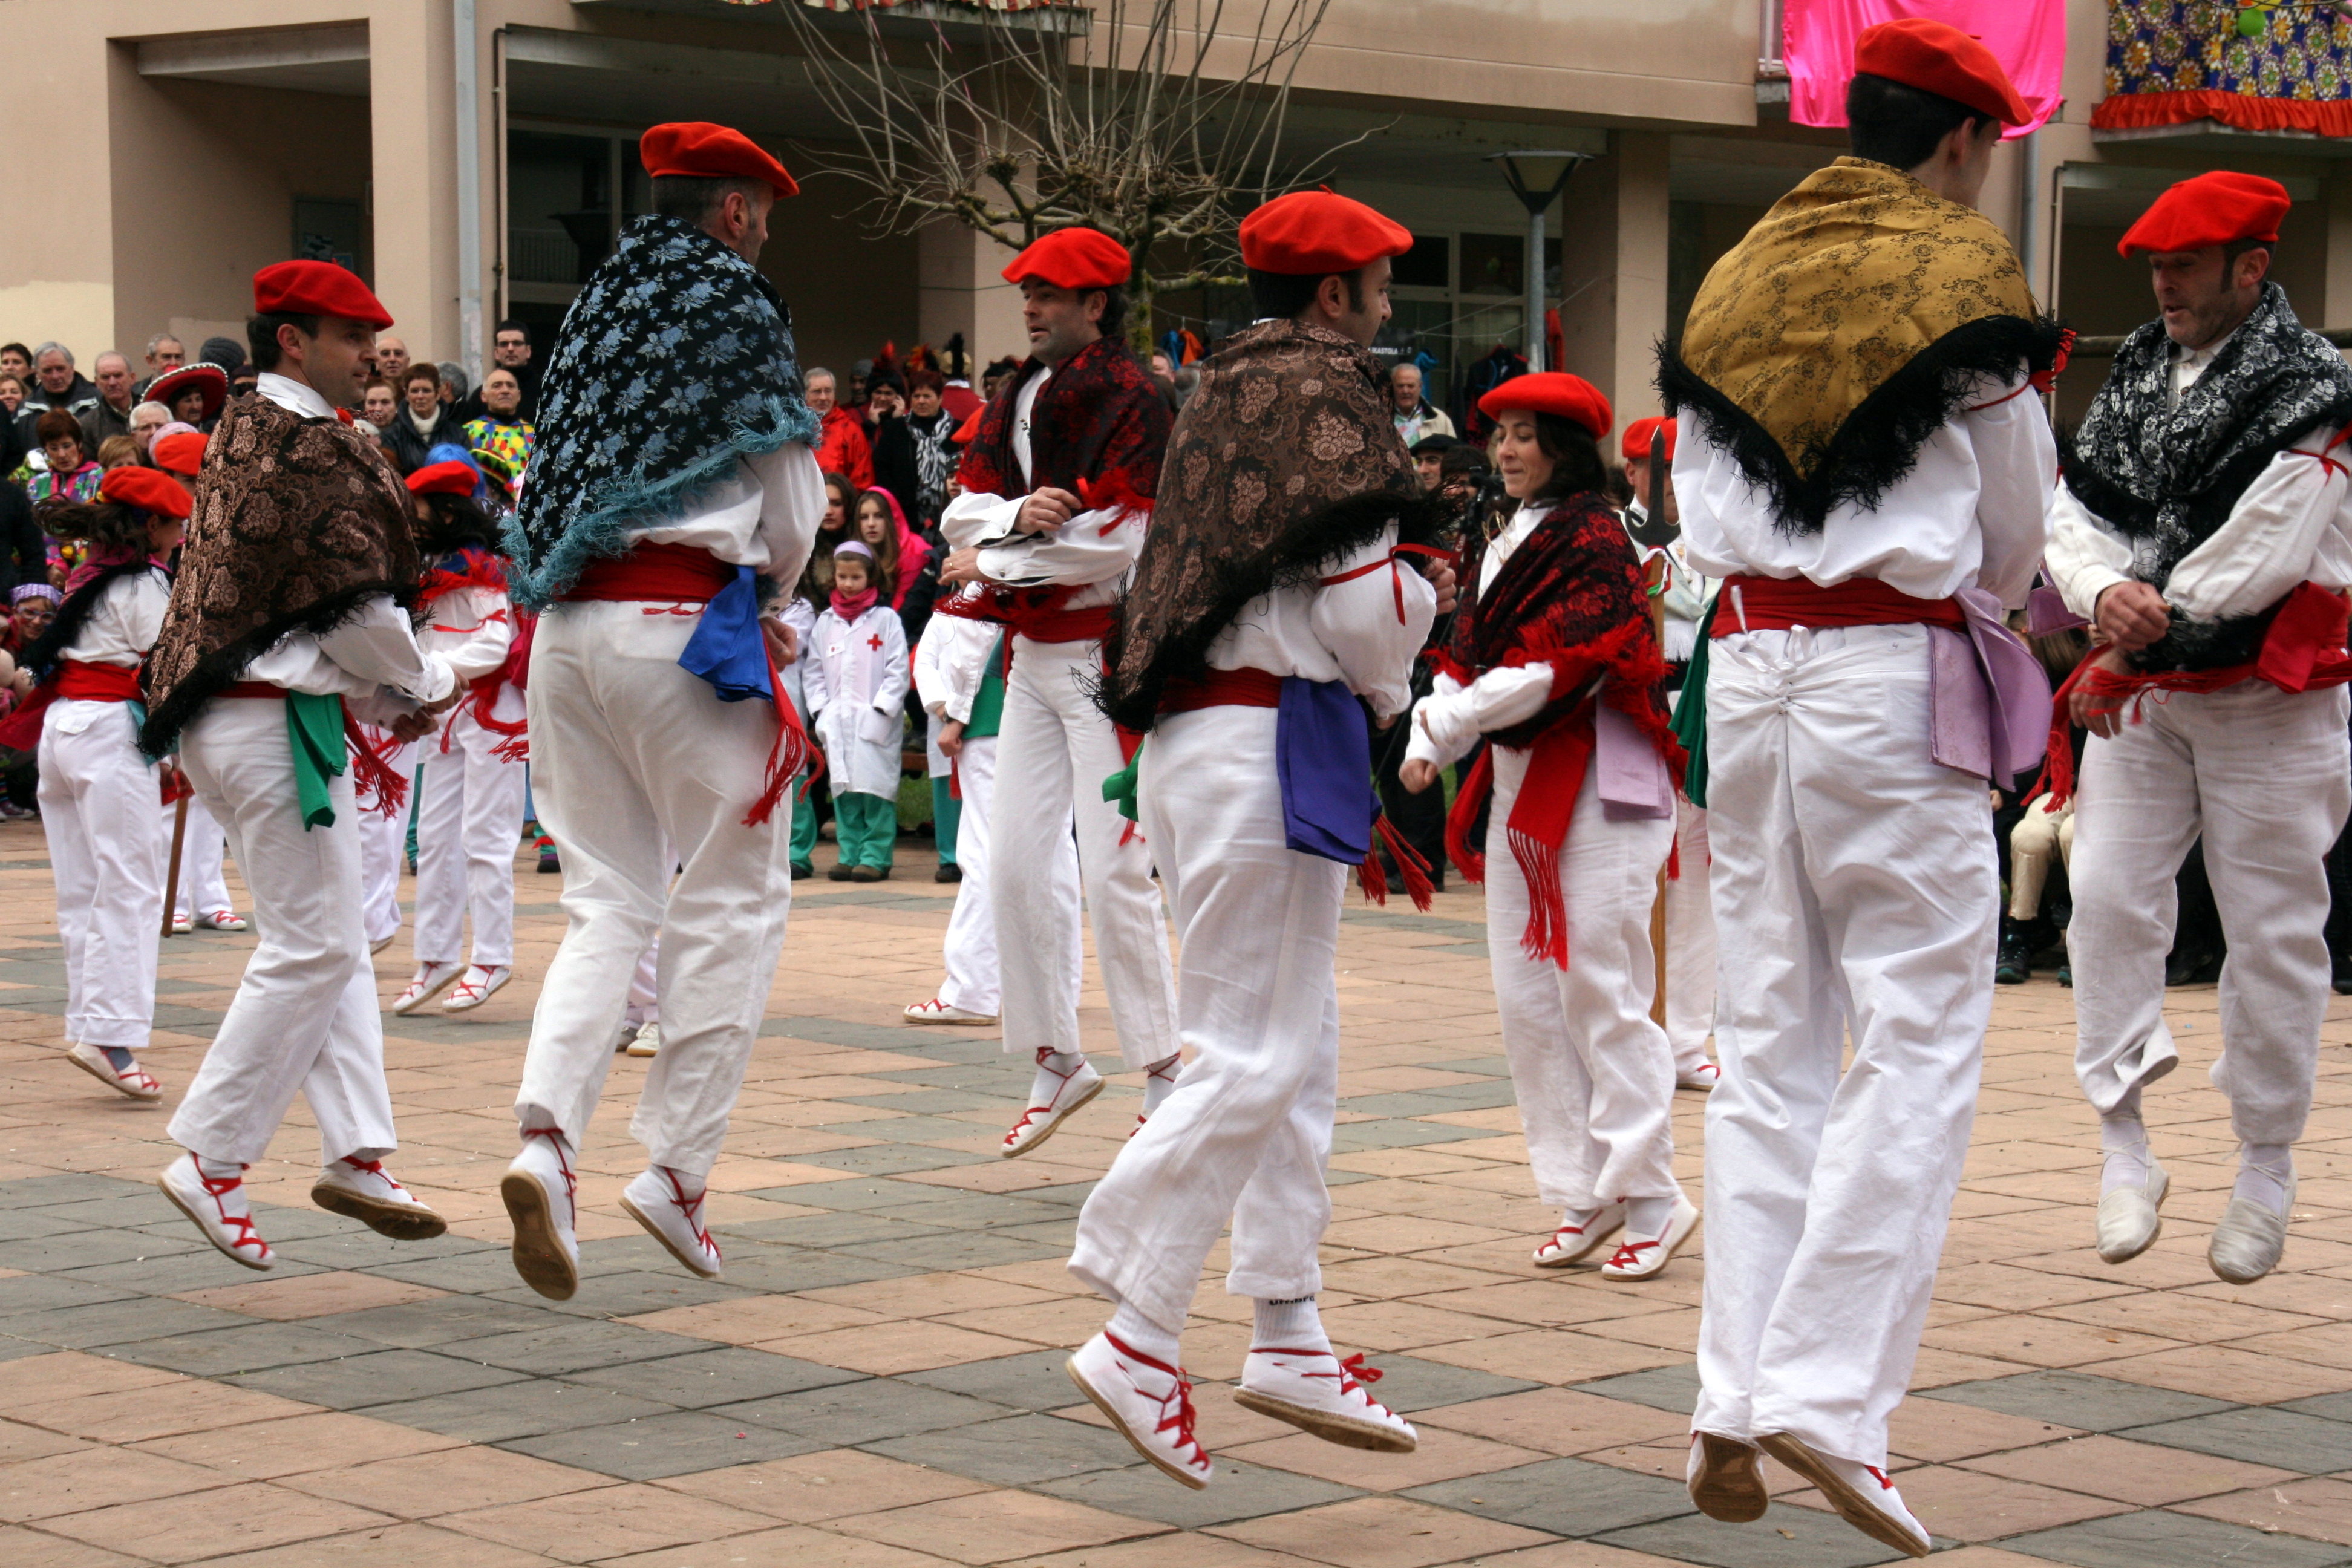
973 519
2017 469
1092 547
1376 623
484 615
143 608
1451 722
2269 542
792 503
2085 559
376 645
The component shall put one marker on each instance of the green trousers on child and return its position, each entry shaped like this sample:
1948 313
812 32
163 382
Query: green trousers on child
864 827
947 811
804 826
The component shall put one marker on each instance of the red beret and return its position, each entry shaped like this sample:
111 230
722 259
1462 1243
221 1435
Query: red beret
180 452
1571 398
173 384
450 478
1308 233
695 150
1641 433
2215 208
1074 259
1938 58
317 289
149 489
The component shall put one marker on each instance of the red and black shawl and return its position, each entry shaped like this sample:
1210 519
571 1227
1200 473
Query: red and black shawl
1098 429
1572 596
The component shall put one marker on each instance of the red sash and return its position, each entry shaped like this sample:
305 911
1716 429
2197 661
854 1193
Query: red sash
1222 689
1776 604
73 682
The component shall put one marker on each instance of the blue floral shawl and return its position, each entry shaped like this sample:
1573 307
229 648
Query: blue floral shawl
675 360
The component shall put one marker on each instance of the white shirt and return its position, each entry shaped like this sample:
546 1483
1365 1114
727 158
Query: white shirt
1350 631
1972 512
763 516
471 628
1079 554
1448 721
951 660
125 622
374 651
1685 596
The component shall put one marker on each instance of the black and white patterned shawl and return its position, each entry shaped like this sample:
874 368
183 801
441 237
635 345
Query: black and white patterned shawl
675 360
2163 478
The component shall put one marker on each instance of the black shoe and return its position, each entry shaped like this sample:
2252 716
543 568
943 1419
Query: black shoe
839 874
548 860
949 871
2193 969
868 873
2014 966
2066 977
802 871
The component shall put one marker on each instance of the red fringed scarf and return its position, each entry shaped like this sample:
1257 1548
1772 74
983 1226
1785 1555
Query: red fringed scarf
375 782
1101 415
479 568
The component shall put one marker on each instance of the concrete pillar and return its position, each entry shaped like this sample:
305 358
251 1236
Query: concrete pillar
960 288
1614 271
413 147
56 263
2336 302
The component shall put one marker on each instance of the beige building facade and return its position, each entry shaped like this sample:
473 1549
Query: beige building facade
473 159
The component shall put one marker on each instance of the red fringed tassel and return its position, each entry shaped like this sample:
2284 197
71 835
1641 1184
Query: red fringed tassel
1410 868
371 772
786 757
1472 794
1675 860
1547 931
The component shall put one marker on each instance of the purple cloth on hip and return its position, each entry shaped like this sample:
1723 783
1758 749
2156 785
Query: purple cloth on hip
1630 774
1988 694
1323 756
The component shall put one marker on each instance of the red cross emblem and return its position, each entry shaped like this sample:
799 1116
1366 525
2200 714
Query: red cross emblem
875 642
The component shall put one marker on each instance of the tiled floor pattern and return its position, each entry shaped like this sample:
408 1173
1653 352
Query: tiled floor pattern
878 1381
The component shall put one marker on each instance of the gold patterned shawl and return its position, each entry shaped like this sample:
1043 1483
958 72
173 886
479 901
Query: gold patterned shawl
1846 328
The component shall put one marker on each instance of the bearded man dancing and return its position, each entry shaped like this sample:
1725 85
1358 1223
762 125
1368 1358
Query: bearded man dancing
1270 597
1057 491
1864 462
672 490
288 628
2201 528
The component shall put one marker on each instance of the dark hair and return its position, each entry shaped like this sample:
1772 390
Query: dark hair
261 334
919 380
512 325
422 370
2237 248
1462 457
1114 316
691 199
1576 463
457 523
1892 122
19 349
57 424
1434 446
881 575
1284 295
106 526
842 488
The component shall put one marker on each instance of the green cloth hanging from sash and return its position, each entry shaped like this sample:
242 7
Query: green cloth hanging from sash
1690 711
314 724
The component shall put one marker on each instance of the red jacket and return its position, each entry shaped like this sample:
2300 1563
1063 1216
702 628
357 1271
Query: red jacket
842 448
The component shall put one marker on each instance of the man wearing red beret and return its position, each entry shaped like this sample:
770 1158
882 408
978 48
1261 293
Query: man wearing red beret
1057 491
288 628
2201 528
1271 596
1862 460
672 473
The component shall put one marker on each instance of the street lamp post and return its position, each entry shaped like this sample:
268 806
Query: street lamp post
1536 178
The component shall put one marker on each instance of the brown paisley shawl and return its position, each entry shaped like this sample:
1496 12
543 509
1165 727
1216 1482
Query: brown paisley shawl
1849 325
1283 462
298 522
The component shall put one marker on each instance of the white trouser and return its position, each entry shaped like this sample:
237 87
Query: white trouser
644 988
631 755
1854 890
203 888
468 821
1690 941
2264 776
97 794
1246 1131
1054 751
383 845
306 1014
1594 1075
972 983
2038 836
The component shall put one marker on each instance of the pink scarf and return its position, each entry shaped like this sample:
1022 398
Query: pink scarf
850 607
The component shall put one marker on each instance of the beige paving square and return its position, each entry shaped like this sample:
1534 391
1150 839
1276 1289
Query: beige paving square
77 1482
813 1487
615 1521
1382 1532
1441 1456
312 1295
1555 1421
30 1549
247 1517
266 1450
996 1526
159 1411
2148 1475
2320 1509
424 1486
887 1348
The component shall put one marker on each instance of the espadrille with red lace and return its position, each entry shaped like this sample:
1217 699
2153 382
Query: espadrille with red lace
1057 1094
211 1193
540 1190
1316 1392
365 1191
668 1204
1148 1402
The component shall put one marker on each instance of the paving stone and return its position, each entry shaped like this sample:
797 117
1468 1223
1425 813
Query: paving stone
2330 1407
1398 1132
14 1350
854 1413
1784 1538
2158 1539
853 1193
169 1272
1408 1383
1033 1382
27 1225
420 1324
727 1375
478 1272
521 1409
909 1128
836 1031
251 1347
1673 1388
383 1377
1420 1103
963 1250
987 1210
86 1248
35 1192
2077 1399
1019 1450
1564 1497
2284 1439
677 1443
789 1268
122 1321
38 1292
887 1159
144 1205
555 1349
1239 1491
986 1079
839 1229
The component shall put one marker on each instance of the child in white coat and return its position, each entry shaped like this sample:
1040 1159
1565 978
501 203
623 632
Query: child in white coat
857 687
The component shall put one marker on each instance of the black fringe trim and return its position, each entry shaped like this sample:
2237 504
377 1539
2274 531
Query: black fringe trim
1879 441
44 653
1301 553
224 666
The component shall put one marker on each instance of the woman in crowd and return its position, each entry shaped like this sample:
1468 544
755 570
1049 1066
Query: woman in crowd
194 393
379 404
423 423
1552 658
930 432
72 473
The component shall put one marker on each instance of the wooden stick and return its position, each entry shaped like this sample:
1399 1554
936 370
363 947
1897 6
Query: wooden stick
171 880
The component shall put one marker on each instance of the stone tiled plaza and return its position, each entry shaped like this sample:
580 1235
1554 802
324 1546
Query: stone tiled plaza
878 1381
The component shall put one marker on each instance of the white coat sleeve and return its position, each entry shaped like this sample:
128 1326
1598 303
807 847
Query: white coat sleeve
890 691
964 666
1361 623
792 503
484 617
928 674
2085 559
974 520
2270 539
1092 547
813 683
2016 467
377 645
1447 722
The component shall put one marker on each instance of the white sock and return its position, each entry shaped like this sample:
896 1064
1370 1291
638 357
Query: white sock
1293 1325
2123 1139
1140 1334
689 1186
1646 1218
218 1170
1160 1082
1054 1072
2263 1172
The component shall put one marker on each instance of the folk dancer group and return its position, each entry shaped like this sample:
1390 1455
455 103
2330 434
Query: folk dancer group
1165 650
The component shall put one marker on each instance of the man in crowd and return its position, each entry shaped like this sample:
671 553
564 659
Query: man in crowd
844 449
392 361
1850 489
111 414
2200 529
511 351
166 353
1414 415
1057 493
501 429
146 418
1269 595
673 469
56 386
286 627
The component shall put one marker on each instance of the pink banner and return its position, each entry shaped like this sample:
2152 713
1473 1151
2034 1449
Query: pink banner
2027 36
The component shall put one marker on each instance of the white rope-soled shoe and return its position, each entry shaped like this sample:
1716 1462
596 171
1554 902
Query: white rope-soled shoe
659 1201
2128 1221
1724 1479
219 1207
365 1191
540 1190
1148 1402
1317 1393
1863 1495
2249 1239
1072 1092
1579 1235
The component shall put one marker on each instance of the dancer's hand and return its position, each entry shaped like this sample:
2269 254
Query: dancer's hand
1440 577
783 642
2132 614
1417 774
2104 722
414 726
952 739
1045 510
962 566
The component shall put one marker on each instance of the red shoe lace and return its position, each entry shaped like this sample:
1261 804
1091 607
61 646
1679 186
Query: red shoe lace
373 1168
1880 1477
1629 1255
690 1208
1181 1422
570 1181
1036 1110
1352 1374
139 1077
218 1187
